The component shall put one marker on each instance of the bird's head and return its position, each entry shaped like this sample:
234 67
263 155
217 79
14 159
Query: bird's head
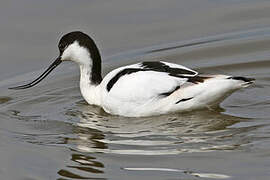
77 47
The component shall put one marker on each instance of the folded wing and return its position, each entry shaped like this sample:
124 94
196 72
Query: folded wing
146 81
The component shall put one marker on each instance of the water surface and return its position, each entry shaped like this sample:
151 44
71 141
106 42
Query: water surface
49 132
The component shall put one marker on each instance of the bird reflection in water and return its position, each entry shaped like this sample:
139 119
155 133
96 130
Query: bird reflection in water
198 131
85 165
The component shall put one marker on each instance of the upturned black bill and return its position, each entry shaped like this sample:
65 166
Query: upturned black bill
41 77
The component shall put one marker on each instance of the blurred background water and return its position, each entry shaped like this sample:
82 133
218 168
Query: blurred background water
49 132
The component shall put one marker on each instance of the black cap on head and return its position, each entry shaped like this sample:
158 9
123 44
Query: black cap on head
85 41
69 38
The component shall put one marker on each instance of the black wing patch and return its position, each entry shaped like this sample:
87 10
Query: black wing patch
151 66
198 79
170 92
161 67
241 78
182 100
120 74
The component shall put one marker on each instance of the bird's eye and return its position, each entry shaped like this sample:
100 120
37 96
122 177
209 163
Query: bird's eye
61 47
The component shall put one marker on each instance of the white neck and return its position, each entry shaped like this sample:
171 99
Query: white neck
89 90
89 80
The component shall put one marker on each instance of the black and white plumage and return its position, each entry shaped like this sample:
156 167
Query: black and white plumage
143 89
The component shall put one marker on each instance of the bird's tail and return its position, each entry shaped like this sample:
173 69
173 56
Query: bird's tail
245 82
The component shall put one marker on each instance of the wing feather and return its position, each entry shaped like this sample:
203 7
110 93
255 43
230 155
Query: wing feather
146 81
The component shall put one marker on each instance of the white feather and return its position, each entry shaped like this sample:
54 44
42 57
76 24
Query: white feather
152 88
139 94
143 89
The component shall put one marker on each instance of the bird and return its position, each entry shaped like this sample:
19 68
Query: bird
148 88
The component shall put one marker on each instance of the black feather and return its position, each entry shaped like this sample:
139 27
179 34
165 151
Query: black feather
182 100
241 78
151 66
170 92
120 74
161 67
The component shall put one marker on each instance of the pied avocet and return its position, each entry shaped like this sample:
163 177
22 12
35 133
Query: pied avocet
143 89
